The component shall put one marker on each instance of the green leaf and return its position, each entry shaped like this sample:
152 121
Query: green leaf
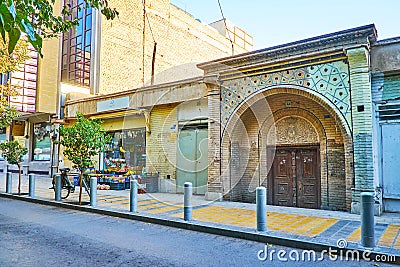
2 31
13 36
6 17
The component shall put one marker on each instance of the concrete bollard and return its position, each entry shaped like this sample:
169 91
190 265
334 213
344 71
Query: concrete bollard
261 203
9 182
93 191
58 185
133 196
187 201
31 185
367 220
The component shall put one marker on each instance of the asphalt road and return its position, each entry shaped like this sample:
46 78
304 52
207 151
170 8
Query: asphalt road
37 235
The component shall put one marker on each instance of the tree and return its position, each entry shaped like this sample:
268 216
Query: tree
13 152
83 140
36 19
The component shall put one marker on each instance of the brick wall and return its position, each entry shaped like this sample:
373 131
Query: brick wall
161 143
180 39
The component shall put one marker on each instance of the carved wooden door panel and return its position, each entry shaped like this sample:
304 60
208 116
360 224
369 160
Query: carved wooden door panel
294 179
308 182
282 183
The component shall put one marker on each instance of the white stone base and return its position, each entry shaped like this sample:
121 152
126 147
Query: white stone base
213 196
356 208
167 186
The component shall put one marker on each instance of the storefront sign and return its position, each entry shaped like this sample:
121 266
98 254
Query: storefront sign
111 104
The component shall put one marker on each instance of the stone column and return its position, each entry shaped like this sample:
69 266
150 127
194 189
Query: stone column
361 98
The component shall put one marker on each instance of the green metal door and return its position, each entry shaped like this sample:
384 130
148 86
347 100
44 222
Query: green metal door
191 159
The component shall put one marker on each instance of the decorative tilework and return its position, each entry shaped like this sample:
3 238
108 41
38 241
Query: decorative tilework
329 79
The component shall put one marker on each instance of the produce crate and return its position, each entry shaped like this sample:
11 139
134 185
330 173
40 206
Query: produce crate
117 186
127 183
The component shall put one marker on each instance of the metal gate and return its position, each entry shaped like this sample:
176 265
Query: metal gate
294 179
192 159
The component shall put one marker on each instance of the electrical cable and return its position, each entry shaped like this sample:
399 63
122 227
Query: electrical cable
226 27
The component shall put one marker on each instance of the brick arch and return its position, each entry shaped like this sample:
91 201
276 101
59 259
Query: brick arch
289 89
325 150
295 112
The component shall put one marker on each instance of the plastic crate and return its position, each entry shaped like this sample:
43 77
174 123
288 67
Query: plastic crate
117 186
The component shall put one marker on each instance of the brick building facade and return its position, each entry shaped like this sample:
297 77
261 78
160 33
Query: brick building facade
297 118
315 121
102 57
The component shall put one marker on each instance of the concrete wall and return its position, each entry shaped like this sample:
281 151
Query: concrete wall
48 74
385 56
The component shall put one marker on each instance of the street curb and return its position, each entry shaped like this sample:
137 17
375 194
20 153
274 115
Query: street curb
268 237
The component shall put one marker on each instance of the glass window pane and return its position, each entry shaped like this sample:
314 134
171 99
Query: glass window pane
79 40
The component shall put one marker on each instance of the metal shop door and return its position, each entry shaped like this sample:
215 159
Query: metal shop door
192 160
390 166
294 178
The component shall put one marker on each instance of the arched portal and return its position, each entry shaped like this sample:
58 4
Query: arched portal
301 150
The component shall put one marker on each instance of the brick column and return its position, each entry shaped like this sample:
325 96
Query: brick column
214 186
362 123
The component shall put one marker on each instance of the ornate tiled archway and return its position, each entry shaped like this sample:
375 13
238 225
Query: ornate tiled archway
332 70
335 188
329 80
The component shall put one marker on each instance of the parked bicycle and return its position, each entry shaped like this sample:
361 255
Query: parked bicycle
67 186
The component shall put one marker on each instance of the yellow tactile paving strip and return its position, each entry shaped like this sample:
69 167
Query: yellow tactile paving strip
165 209
388 239
289 223
355 236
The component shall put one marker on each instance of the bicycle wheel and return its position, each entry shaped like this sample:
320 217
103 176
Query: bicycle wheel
65 192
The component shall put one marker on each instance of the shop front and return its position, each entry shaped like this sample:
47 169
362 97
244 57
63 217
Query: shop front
125 156
126 152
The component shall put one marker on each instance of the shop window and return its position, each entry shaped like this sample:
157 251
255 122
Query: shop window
42 141
126 152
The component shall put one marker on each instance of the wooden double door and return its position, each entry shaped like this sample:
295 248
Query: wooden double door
294 178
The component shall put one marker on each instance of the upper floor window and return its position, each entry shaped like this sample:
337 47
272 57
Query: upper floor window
24 81
77 46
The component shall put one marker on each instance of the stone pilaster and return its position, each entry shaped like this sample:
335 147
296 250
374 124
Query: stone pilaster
362 123
214 187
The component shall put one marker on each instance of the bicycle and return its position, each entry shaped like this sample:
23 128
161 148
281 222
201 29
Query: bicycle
67 186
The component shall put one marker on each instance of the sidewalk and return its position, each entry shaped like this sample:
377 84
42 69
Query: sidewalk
329 228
